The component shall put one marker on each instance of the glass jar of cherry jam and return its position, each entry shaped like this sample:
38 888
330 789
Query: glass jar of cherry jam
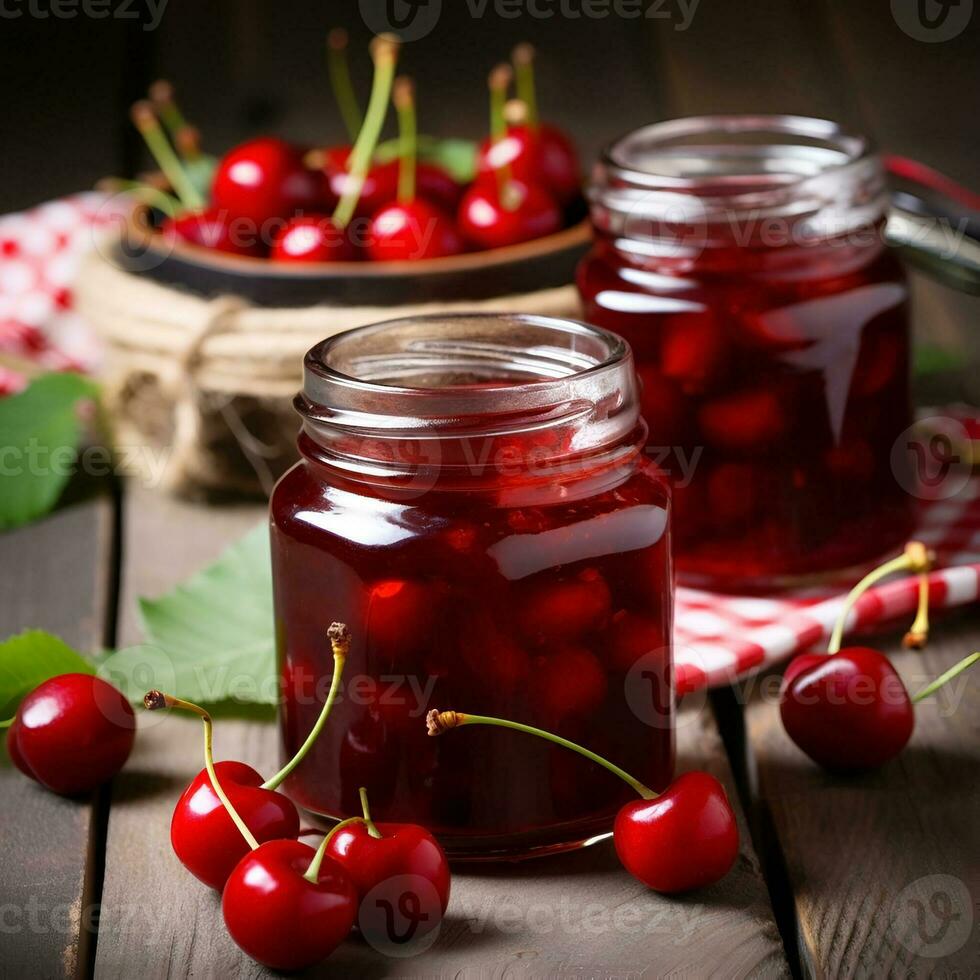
473 500
743 259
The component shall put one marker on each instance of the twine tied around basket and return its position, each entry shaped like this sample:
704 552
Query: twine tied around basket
204 358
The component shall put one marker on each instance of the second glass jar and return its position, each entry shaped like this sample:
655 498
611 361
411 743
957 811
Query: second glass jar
743 259
473 500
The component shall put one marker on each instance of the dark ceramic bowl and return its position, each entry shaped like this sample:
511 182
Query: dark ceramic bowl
538 264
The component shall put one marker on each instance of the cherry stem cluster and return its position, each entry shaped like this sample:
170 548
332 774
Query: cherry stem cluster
339 637
384 51
439 722
915 558
145 120
313 871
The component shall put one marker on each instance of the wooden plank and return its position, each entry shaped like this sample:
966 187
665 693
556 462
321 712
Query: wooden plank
576 915
57 576
862 852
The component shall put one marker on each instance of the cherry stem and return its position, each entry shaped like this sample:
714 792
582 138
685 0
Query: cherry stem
384 51
439 722
153 701
523 58
404 99
918 634
944 678
366 811
146 122
162 97
313 871
339 636
915 558
340 82
7 722
499 81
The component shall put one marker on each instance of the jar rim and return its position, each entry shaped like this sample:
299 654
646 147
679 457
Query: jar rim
320 375
833 150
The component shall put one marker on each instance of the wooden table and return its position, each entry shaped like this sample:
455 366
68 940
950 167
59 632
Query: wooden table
831 870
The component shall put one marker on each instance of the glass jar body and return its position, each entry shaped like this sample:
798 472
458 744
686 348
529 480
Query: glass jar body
775 384
542 596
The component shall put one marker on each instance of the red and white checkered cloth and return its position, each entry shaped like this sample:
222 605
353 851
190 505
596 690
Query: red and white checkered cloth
718 637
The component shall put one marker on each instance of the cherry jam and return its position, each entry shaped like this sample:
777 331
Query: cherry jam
473 500
743 260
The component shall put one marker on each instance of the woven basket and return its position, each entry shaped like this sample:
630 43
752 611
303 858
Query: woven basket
200 390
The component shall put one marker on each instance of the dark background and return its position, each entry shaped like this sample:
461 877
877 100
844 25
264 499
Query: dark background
245 66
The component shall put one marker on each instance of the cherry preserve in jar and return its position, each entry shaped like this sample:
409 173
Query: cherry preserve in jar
743 259
473 500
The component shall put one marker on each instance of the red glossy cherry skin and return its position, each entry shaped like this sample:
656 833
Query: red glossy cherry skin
380 183
686 838
485 223
205 839
404 851
278 917
543 156
266 178
412 231
435 185
312 238
214 228
72 733
847 711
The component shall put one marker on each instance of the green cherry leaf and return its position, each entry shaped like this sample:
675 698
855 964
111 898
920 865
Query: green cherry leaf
211 639
29 658
39 433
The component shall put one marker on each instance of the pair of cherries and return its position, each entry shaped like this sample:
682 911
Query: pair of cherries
683 838
285 904
847 708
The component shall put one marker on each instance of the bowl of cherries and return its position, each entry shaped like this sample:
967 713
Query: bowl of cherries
407 220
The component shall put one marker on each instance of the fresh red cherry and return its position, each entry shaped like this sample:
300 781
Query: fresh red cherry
544 156
205 839
72 733
407 232
437 186
380 182
684 838
410 228
287 906
214 228
265 178
400 865
312 238
228 808
534 151
493 217
849 711
555 610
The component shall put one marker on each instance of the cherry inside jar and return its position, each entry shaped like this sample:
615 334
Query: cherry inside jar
743 259
473 500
